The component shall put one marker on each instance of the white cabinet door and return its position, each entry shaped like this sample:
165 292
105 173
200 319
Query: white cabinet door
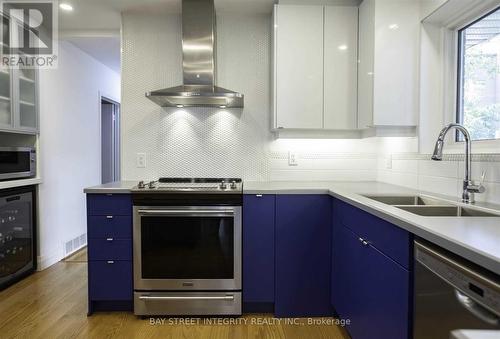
366 63
340 73
27 92
298 66
397 48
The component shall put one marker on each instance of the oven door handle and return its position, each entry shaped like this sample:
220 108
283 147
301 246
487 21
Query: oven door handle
189 213
228 297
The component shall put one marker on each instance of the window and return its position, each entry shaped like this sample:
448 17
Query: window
478 106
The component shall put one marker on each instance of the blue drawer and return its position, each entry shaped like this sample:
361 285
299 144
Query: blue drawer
117 227
109 204
110 249
391 240
110 280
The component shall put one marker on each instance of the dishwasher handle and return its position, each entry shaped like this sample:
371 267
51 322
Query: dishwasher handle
476 309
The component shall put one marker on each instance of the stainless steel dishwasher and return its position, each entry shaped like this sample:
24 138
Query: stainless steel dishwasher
452 293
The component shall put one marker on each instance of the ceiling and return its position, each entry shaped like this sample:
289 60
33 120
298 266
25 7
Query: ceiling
99 15
104 49
94 25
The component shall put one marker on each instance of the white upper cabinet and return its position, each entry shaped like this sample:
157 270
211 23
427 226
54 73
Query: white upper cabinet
365 63
340 67
315 67
298 63
388 63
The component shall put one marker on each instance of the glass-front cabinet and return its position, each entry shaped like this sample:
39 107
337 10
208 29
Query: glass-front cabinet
18 100
27 105
6 120
18 97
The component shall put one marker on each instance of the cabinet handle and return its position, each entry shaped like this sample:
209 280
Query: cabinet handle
258 195
109 239
364 242
110 262
109 217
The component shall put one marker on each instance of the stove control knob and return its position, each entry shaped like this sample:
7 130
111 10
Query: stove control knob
223 185
152 184
233 185
141 185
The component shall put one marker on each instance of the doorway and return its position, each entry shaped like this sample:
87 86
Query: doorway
110 140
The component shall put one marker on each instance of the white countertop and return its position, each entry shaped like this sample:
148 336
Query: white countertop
475 334
20 182
474 238
112 187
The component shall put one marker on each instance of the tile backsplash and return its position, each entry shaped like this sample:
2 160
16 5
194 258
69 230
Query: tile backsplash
444 177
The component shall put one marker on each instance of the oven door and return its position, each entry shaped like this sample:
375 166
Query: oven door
187 248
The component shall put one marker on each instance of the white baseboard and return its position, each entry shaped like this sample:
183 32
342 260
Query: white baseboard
46 261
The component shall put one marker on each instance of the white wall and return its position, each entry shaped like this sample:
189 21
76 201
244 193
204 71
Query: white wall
69 145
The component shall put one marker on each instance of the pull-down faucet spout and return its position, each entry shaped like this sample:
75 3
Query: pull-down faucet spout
469 188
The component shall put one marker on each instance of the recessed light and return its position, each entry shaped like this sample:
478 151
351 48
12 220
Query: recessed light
179 106
66 7
343 47
394 26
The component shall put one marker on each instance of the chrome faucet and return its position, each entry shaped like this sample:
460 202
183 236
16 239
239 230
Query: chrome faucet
469 188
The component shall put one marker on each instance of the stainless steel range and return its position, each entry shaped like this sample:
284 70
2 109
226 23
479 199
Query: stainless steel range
187 246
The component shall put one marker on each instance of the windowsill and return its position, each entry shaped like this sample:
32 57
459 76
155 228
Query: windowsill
478 146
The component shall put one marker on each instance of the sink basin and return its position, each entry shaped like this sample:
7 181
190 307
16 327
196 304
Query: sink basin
413 200
429 207
446 211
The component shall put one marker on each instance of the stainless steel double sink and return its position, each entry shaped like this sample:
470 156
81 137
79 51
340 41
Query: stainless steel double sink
430 207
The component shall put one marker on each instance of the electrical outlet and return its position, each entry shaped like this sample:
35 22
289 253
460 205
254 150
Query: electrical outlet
293 158
141 160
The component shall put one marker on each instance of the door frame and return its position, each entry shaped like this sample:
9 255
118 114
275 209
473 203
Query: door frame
116 134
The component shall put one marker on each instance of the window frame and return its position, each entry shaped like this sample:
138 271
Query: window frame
459 57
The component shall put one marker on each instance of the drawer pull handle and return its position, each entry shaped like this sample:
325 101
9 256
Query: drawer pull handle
109 239
111 262
364 242
228 297
109 217
258 195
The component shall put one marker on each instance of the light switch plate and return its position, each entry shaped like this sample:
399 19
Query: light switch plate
293 158
141 160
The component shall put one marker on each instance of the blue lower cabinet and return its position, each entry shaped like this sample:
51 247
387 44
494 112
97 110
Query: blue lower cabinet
109 229
109 204
110 280
303 255
110 249
258 250
369 288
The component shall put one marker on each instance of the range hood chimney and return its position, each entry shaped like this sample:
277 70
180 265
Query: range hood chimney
198 64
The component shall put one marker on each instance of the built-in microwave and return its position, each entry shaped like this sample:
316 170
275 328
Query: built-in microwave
17 162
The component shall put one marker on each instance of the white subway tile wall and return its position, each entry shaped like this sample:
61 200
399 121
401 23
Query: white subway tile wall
443 177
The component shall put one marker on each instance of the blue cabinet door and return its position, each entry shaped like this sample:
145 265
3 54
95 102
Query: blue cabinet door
110 280
258 248
303 255
369 288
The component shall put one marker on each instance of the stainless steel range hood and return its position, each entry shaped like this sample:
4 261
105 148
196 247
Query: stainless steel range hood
199 63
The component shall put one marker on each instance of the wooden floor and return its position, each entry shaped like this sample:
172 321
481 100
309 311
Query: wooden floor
53 304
